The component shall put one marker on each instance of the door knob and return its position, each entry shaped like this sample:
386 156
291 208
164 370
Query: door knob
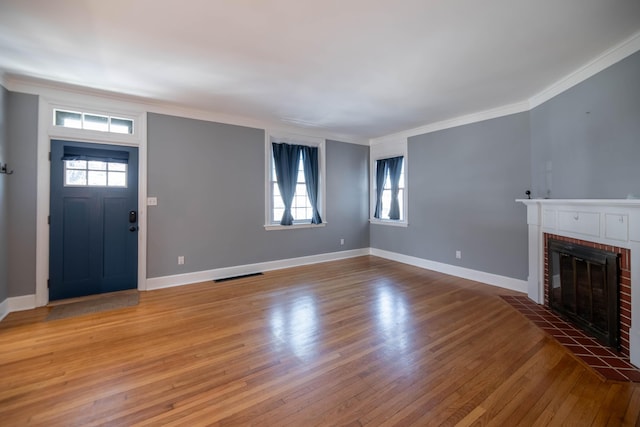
133 228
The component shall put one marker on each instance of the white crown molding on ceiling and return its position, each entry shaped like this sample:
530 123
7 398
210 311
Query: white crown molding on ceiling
79 94
480 116
57 90
605 60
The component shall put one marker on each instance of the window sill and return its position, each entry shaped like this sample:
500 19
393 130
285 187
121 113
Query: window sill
391 222
272 227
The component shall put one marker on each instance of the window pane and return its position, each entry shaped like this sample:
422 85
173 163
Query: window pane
68 119
387 183
117 179
97 165
76 164
97 178
75 177
121 125
386 195
120 167
93 122
301 207
76 120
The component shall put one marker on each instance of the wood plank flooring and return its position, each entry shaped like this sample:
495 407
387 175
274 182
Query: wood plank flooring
359 342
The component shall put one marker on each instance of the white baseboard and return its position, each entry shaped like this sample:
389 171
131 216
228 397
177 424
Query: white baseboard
465 273
4 308
220 273
24 302
9 305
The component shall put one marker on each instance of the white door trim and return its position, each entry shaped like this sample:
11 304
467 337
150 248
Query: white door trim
47 132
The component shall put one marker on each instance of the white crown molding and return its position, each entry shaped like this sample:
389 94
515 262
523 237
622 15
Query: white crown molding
453 270
455 122
607 59
58 90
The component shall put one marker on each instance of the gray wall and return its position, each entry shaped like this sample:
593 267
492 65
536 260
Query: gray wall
4 285
585 142
209 181
22 137
462 186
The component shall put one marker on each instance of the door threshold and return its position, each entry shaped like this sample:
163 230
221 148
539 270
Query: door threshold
89 297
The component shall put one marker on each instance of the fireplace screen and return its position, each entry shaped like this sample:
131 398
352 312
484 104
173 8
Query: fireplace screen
583 287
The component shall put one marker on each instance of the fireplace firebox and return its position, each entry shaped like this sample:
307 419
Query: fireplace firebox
583 287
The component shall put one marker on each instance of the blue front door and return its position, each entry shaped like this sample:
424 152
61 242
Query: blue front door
93 219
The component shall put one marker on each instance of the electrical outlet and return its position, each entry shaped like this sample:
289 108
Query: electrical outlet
341 241
459 254
180 260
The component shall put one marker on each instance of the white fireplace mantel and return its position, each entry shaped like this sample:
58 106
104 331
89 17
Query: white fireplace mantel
614 222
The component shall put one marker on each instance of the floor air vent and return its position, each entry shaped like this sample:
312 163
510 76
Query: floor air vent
242 276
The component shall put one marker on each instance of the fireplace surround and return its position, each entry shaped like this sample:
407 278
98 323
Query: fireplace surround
581 285
610 225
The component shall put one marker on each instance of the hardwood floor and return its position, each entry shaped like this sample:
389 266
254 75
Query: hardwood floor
363 341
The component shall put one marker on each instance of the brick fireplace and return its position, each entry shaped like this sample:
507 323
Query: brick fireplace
623 285
608 225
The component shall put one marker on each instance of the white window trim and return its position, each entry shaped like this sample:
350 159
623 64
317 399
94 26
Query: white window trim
385 150
289 138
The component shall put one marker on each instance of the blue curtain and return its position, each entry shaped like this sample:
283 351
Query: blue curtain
285 159
395 170
381 174
310 162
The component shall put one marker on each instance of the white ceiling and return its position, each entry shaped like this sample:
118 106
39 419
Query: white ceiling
364 68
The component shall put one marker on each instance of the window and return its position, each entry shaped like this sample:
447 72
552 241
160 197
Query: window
385 211
301 206
94 173
389 181
300 161
95 122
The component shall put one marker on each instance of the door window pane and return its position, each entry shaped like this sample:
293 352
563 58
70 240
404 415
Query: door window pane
117 179
76 164
97 178
96 165
94 173
75 177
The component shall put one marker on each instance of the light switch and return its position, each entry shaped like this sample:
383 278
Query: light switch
152 201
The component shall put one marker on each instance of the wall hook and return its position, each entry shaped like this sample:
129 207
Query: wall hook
3 169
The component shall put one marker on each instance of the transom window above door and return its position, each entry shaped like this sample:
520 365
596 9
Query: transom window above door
90 121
